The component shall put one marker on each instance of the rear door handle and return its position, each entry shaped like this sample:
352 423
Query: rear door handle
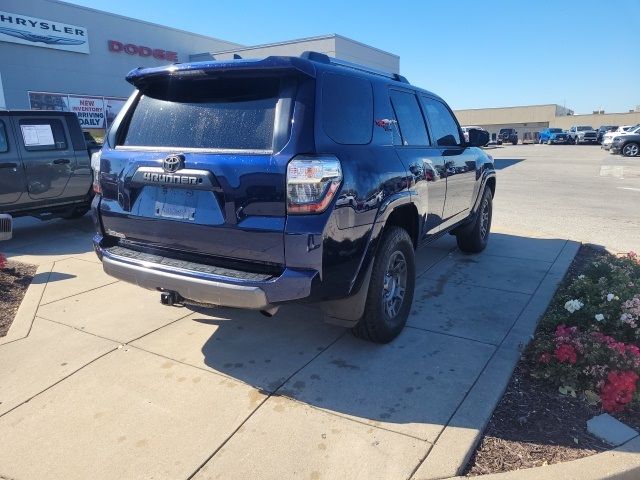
8 165
61 161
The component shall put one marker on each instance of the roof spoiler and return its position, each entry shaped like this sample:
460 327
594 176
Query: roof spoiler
138 77
303 64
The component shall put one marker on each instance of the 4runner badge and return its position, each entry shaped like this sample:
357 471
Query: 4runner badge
173 163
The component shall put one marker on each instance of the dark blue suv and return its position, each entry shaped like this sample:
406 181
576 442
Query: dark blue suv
255 183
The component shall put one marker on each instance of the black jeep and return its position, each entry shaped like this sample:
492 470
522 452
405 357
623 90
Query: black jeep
508 135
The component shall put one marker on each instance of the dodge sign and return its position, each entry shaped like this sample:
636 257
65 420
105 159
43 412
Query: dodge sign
38 32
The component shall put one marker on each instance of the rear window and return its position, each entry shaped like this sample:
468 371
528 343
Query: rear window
229 114
347 109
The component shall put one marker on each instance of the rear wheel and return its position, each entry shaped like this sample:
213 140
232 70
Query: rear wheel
474 238
390 291
631 149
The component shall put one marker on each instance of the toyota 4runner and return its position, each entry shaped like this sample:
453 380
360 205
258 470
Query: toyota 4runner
255 183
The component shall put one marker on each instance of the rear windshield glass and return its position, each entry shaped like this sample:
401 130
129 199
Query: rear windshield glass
231 113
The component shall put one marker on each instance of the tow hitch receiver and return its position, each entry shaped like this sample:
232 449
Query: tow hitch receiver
170 298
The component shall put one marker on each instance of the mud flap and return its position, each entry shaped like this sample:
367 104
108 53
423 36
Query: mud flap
347 312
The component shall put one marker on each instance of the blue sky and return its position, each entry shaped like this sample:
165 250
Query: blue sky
473 53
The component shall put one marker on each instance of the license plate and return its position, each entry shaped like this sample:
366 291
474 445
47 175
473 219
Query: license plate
177 204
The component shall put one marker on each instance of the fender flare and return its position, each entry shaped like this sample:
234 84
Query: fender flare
347 312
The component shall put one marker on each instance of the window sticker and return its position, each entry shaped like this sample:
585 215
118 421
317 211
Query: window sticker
37 135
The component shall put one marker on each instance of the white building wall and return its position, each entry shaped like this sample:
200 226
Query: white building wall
332 45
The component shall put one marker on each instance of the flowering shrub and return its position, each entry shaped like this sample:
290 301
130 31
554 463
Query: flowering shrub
589 339
3 261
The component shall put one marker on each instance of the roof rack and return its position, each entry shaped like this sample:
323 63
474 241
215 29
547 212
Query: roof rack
323 58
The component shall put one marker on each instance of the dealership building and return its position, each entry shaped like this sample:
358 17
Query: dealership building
531 119
59 56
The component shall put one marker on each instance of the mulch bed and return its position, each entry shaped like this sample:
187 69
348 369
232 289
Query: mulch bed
534 425
14 280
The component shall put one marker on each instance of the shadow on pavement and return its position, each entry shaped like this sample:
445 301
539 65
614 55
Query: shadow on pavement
502 163
413 385
35 241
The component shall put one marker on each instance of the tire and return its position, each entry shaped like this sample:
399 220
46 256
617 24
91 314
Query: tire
549 142
631 149
474 239
385 315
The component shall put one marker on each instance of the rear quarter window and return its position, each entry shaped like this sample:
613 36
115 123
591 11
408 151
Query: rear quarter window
347 109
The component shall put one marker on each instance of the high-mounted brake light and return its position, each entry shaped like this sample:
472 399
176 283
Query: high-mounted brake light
95 168
312 182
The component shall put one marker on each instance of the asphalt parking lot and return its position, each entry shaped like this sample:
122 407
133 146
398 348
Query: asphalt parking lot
98 380
578 192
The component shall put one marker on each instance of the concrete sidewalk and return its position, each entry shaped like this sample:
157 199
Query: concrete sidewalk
98 380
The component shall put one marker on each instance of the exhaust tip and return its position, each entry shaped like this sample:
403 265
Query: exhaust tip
269 312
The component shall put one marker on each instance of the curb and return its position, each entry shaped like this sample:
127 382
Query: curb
21 325
458 440
622 463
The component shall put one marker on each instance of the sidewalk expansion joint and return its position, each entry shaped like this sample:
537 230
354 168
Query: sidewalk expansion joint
269 395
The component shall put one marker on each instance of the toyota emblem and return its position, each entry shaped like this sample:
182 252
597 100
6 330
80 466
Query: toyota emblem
173 163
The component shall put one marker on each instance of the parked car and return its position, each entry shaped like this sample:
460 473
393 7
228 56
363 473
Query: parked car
44 165
256 183
507 135
583 134
92 144
607 140
604 129
465 130
554 136
628 145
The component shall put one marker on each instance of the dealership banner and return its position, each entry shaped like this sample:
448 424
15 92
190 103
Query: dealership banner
96 113
90 111
39 32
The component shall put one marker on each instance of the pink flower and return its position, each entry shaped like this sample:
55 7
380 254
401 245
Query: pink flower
618 390
566 353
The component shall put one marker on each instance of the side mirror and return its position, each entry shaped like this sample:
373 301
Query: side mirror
478 138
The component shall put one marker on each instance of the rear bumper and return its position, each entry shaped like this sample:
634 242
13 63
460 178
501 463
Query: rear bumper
208 288
613 148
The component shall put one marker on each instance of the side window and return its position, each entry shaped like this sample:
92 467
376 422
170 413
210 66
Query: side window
410 121
444 128
40 134
347 109
4 143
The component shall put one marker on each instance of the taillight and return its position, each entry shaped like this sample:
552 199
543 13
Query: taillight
312 182
95 168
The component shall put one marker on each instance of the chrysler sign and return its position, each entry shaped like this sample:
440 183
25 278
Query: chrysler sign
38 32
